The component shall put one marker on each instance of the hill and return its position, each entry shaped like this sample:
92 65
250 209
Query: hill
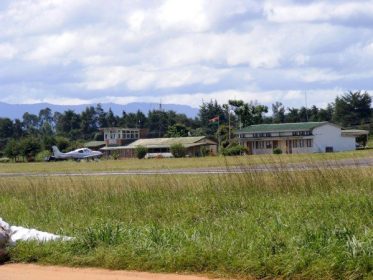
14 111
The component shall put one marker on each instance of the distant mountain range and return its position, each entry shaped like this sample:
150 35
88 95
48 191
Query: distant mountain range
14 111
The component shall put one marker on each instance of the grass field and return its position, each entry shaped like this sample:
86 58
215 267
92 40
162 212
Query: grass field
146 164
312 224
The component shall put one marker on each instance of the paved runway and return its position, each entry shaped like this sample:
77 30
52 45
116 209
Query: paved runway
335 164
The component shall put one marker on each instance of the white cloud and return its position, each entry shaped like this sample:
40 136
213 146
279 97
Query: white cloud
285 11
183 51
7 51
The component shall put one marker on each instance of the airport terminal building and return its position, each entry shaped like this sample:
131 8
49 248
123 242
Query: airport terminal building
293 138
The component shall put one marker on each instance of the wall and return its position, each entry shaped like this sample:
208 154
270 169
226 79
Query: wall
329 135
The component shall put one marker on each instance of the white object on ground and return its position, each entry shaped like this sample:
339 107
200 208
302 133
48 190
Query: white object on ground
24 234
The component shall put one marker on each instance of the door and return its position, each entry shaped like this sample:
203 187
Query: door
249 146
289 147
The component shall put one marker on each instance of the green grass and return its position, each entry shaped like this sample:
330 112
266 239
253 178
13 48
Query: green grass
311 224
173 163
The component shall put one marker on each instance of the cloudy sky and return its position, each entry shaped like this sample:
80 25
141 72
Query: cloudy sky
184 51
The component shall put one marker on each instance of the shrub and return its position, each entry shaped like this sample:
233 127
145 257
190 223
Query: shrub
141 152
30 147
115 155
4 160
178 150
277 151
234 150
42 155
205 151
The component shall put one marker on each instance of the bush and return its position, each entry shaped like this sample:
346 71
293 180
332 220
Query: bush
178 150
141 152
4 160
277 151
115 155
234 150
42 155
30 147
205 151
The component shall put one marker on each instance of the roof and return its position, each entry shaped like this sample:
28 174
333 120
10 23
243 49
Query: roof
281 127
165 142
94 144
117 128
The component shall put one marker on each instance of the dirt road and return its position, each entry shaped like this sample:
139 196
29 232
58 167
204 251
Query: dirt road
35 272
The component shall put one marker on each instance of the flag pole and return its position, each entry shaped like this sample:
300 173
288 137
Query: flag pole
219 132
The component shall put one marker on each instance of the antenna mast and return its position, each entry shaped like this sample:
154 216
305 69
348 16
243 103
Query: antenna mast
305 97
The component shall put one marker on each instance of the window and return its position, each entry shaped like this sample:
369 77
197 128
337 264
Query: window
309 143
259 144
301 143
268 144
295 143
260 135
301 133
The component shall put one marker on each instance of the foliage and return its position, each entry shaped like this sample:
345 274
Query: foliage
233 150
178 150
115 155
29 146
42 155
62 143
248 113
13 149
4 160
141 151
177 130
278 113
277 151
205 151
353 108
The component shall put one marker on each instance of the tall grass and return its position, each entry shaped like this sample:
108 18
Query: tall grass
309 224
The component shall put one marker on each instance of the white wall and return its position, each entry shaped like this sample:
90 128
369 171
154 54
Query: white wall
329 135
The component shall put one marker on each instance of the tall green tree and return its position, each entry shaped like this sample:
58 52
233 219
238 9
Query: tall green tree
278 112
353 108
88 122
248 113
177 130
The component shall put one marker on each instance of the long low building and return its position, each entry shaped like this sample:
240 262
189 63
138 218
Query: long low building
305 137
193 145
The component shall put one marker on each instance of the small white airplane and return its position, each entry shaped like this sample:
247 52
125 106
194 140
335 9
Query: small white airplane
78 154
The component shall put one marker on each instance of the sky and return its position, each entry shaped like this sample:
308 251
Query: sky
184 51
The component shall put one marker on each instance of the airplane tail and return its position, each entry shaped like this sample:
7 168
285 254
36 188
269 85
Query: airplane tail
56 151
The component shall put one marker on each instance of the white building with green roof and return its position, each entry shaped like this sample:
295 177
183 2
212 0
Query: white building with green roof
305 137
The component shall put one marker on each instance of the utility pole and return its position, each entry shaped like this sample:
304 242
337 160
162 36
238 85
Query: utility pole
305 97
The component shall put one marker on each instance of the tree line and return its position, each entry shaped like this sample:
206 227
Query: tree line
32 134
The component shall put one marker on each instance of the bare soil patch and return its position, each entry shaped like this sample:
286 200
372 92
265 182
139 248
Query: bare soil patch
36 272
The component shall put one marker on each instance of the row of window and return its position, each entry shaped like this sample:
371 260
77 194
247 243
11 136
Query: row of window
302 133
301 143
257 135
130 135
263 144
262 135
